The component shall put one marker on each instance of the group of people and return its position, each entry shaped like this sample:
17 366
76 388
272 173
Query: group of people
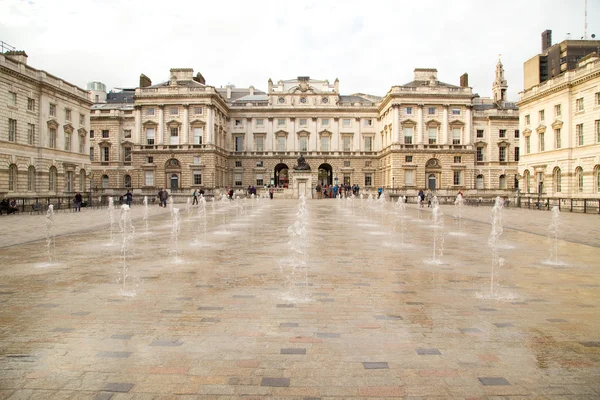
251 190
197 193
10 206
333 191
421 197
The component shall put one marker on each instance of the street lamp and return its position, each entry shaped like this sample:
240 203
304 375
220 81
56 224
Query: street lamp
393 177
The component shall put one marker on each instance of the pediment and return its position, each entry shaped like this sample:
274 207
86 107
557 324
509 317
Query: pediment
456 122
325 132
104 143
127 143
149 123
281 133
82 131
303 132
527 132
557 124
173 122
68 128
503 143
52 124
480 143
433 122
197 122
541 128
408 122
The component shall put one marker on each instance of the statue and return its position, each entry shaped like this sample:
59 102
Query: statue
302 165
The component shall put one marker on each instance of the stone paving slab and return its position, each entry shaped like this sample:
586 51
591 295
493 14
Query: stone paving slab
233 315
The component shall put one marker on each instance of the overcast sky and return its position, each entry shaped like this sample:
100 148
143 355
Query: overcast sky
368 45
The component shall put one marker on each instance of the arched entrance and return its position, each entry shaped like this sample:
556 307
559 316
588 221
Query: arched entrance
282 178
172 173
325 177
174 182
433 169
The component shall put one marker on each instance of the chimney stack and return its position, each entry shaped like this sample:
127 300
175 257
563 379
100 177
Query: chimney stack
17 55
251 89
546 39
145 81
464 80
229 87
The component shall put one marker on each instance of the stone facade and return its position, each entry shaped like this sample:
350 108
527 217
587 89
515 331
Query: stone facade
560 122
186 135
44 126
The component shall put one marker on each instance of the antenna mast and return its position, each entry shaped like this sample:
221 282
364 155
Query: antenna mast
585 24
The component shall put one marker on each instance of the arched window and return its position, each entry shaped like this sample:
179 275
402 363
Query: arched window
579 179
81 180
479 182
105 181
13 173
502 181
52 179
557 180
127 181
31 178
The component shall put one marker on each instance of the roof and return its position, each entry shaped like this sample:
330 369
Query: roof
112 106
238 93
125 96
251 98
180 82
426 83
354 99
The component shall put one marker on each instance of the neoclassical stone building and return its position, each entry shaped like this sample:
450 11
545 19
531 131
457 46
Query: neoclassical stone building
560 121
44 125
184 134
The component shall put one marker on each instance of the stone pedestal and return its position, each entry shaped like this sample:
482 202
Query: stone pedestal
302 184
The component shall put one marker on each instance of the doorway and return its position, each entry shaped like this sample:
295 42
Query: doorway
174 182
432 182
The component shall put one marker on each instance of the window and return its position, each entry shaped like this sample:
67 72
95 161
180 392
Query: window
238 163
105 154
325 122
303 122
517 133
368 122
542 142
174 110
324 143
259 180
127 133
91 134
502 154
30 133
150 111
480 154
198 110
456 111
31 179
196 159
527 119
260 122
12 177
174 135
81 144
480 133
52 179
12 99
198 132
457 178
408 159
579 104
557 110
127 181
30 105
149 135
368 179
517 153
127 154
237 179
91 154
149 178
281 121
502 182
431 110
597 95
346 164
259 164
81 119
12 130
579 179
368 143
67 114
408 135
303 143
479 182
260 143
597 124
52 110
409 110
67 141
457 159
149 160
502 133
557 180
238 122
557 140
541 115
239 141
368 163
52 138
409 177
346 122
281 143
346 143
197 178
456 135
432 135
528 145
579 134
105 133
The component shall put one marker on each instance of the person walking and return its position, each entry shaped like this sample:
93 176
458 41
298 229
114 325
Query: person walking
420 198
128 198
195 194
78 200
429 197
271 191
164 197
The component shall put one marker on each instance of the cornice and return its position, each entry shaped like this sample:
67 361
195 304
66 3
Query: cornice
559 87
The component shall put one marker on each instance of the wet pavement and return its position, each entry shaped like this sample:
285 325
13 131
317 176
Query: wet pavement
226 312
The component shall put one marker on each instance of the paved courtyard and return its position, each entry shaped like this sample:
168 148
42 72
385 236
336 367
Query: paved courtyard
227 312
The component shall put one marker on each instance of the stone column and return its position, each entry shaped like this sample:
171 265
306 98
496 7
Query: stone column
468 125
268 145
160 135
248 135
356 139
335 133
291 136
137 134
210 128
445 139
419 130
395 123
186 125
